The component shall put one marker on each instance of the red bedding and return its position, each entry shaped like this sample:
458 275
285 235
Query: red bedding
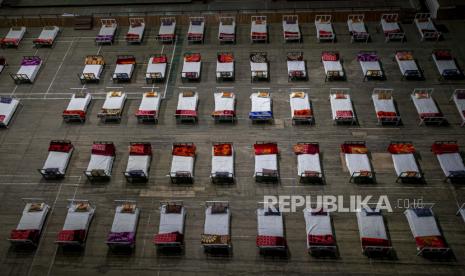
430 241
222 150
375 242
344 114
264 241
268 148
184 150
103 149
322 240
306 149
444 148
61 147
174 237
80 113
382 114
354 149
140 149
401 148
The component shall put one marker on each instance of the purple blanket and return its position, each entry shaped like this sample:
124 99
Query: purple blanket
30 61
104 38
367 57
121 237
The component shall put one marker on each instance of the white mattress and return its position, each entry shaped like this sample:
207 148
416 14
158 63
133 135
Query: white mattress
77 220
462 213
222 164
316 224
425 105
224 67
428 25
258 28
155 68
266 161
227 29
340 105
104 30
269 225
389 26
196 29
450 162
406 65
296 66
333 66
32 220
58 160
223 103
386 105
137 30
138 163
170 223
422 226
125 222
371 226
460 104
150 103
370 66
100 162
216 224
308 162
49 33
327 27
299 103
357 27
259 67
95 69
187 103
123 68
167 29
260 104
443 65
357 163
182 164
114 102
79 103
190 67
292 28
405 163
16 34
8 110
30 70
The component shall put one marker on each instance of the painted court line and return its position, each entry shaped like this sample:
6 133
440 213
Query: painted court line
59 67
170 64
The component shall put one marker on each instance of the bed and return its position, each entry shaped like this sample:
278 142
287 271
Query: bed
225 107
107 32
227 30
271 236
447 65
291 28
450 160
405 162
78 218
320 234
408 66
101 161
77 107
266 162
385 107
167 31
196 29
357 162
324 28
93 68
342 109
426 27
59 155
262 107
296 66
391 28
225 66
8 107
357 28
112 109
425 230
258 29
427 109
13 37
217 229
171 231
47 36
332 64
31 223
459 100
259 67
191 67
3 64
186 110
124 68
124 227
222 163
374 238
149 108
182 163
139 160
27 73
136 30
156 69
371 66
301 108
308 163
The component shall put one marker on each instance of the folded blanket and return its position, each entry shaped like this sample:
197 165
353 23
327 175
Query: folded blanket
430 241
174 237
146 113
225 58
79 113
444 148
261 115
224 113
344 114
268 148
264 241
354 149
375 242
27 235
303 113
207 239
192 57
443 55
191 113
42 41
367 57
383 114
306 149
159 59
60 146
71 236
431 115
121 237
330 56
404 55
401 148
31 61
103 149
321 240
140 149
184 150
222 150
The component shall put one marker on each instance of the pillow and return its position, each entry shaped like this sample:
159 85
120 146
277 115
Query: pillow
151 94
422 95
128 208
188 94
36 207
82 207
263 94
227 95
173 209
298 95
340 96
218 209
115 94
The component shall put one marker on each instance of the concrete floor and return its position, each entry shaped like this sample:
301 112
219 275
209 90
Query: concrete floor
23 149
